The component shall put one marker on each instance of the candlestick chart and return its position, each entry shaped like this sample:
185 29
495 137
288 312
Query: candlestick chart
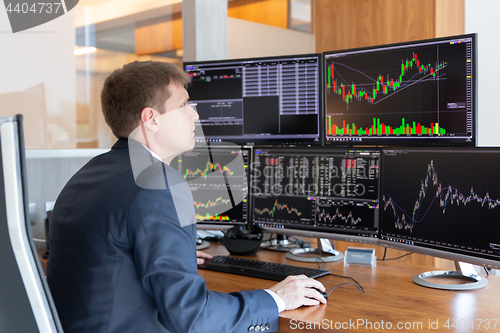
277 207
339 213
204 172
320 190
211 203
411 91
441 197
218 181
283 209
445 196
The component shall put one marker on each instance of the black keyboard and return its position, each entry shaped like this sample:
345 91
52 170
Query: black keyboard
258 269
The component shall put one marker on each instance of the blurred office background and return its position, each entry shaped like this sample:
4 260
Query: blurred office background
53 73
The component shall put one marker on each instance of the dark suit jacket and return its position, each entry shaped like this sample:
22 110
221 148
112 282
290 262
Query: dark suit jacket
123 256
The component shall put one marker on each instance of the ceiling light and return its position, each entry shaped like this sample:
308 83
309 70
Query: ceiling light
85 50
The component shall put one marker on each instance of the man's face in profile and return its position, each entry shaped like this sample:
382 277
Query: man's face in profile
177 124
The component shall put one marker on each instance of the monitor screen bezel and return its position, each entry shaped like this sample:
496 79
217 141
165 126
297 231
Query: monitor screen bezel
476 259
215 225
335 235
277 141
409 141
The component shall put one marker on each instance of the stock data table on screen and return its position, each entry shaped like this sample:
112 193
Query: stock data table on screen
267 100
330 193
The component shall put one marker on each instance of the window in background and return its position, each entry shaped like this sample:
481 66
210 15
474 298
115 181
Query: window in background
300 15
111 33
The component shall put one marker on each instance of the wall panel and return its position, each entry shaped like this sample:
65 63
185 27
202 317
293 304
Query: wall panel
343 24
159 35
450 17
270 12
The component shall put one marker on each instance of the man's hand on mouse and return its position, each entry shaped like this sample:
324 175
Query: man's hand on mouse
298 290
200 256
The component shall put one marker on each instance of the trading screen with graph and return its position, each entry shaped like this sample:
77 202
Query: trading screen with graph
446 200
420 92
325 191
218 178
258 100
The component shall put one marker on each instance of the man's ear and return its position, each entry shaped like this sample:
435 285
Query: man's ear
148 119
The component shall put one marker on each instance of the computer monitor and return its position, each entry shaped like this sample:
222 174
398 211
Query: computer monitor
25 301
415 93
218 178
325 193
271 100
442 202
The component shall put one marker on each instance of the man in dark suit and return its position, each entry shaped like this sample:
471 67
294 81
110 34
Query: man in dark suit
122 252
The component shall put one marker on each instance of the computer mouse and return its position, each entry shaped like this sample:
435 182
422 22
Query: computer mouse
324 294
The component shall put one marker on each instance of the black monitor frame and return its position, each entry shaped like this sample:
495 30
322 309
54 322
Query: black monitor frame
213 151
343 234
433 247
265 139
359 138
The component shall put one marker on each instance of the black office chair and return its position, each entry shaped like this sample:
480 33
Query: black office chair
25 301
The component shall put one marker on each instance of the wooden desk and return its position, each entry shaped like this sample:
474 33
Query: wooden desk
390 298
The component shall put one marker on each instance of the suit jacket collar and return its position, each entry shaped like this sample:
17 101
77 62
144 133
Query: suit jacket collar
121 143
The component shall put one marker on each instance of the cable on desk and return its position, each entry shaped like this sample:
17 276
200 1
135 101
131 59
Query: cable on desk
357 285
348 277
342 276
291 239
271 238
298 241
385 252
404 255
318 261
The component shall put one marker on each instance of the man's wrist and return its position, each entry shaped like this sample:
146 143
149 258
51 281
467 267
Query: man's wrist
280 303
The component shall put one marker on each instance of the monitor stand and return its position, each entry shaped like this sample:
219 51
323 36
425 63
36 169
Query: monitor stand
201 244
281 244
464 271
325 252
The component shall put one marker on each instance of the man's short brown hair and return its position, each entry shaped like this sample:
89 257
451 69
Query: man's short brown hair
128 90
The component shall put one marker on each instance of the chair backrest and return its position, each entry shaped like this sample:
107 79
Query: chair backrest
25 301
